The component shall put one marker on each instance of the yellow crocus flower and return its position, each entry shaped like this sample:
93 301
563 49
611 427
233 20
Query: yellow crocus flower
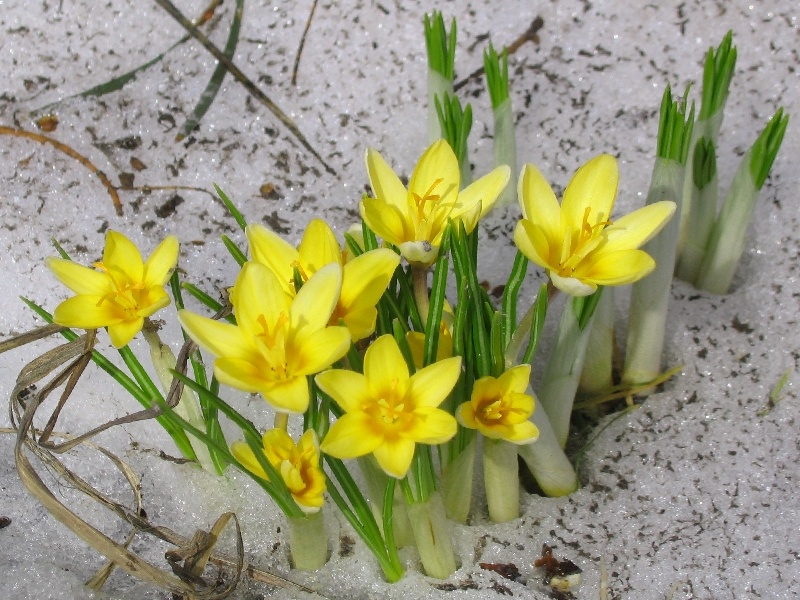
387 411
278 339
414 219
120 291
298 465
364 278
576 242
499 407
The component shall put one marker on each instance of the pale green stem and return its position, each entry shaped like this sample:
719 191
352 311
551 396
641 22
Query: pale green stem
598 364
188 407
546 459
518 337
563 370
281 420
457 478
728 237
650 295
501 479
432 536
505 149
420 284
376 480
308 542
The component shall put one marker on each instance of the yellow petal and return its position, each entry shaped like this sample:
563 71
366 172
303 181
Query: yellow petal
437 173
419 254
573 286
538 202
465 414
637 228
121 255
312 307
359 322
366 277
394 456
620 268
80 279
351 436
319 247
385 183
319 350
241 374
431 385
384 365
386 220
87 312
221 339
278 445
483 192
523 433
269 249
347 388
258 295
152 300
159 265
435 426
516 379
593 186
289 395
532 242
243 453
123 332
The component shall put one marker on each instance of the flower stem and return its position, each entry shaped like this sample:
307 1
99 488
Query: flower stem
501 479
598 364
432 536
457 478
308 542
419 277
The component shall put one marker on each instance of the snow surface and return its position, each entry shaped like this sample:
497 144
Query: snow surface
694 495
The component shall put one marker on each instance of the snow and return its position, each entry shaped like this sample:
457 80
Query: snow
690 496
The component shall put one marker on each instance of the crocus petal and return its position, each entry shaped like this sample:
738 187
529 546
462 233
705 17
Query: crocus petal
385 183
384 364
314 303
87 312
152 300
572 286
516 379
620 268
538 202
258 295
436 426
244 454
319 350
319 247
637 228
81 280
351 436
123 332
437 164
347 388
431 385
386 220
365 278
289 395
483 192
523 433
221 339
360 322
419 254
122 255
241 374
532 242
394 456
593 186
465 414
161 262
270 249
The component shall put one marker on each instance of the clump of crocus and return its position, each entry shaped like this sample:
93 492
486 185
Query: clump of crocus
121 290
414 219
278 339
364 277
576 242
298 465
387 410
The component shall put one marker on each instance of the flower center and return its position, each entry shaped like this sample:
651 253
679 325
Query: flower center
588 239
428 196
125 294
273 344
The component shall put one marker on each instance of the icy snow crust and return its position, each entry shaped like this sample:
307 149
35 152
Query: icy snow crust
694 495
